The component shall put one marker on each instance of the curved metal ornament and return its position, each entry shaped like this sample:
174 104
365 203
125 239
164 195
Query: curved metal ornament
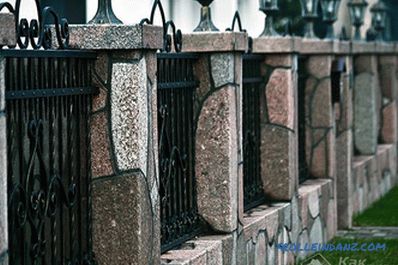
105 14
36 34
236 20
168 40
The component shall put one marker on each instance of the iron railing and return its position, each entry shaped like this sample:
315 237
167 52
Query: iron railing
48 95
176 88
252 90
302 79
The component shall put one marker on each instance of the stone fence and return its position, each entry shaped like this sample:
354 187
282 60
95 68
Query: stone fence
350 143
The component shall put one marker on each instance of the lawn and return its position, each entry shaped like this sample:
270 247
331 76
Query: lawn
387 257
382 213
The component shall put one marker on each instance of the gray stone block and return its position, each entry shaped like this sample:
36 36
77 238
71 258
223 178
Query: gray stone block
115 37
222 68
365 114
8 34
125 228
217 149
129 115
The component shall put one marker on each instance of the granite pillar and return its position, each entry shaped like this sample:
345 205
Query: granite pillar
125 199
279 132
218 107
7 37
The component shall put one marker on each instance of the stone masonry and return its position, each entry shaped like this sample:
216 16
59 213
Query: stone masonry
124 142
351 144
7 37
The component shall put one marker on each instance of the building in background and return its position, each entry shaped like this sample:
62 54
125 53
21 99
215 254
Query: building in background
185 13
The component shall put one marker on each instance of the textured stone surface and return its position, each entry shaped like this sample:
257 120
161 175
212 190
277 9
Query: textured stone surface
217 161
313 204
182 257
365 114
129 113
228 243
389 123
121 215
101 163
278 160
114 37
214 41
280 98
261 249
319 66
316 232
276 45
279 60
344 179
387 76
7 32
222 68
3 186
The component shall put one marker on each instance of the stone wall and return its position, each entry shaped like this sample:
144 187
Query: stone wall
124 151
7 37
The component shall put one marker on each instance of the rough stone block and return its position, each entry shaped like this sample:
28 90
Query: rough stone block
365 114
228 243
280 95
121 215
278 160
214 41
213 248
182 257
8 36
261 249
344 179
279 60
115 37
387 76
101 163
389 131
217 148
222 68
129 114
276 45
317 232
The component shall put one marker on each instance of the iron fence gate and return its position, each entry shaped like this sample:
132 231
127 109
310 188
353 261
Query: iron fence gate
176 88
302 79
252 88
48 98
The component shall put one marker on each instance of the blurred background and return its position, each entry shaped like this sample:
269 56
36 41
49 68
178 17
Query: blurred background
185 14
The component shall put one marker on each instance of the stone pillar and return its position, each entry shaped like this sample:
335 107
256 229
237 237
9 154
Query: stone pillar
125 199
367 100
320 112
279 126
218 126
7 37
388 87
344 148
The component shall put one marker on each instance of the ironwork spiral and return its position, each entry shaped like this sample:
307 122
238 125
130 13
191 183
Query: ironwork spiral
236 20
35 33
169 40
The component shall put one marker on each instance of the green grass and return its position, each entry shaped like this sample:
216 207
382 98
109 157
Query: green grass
387 257
382 213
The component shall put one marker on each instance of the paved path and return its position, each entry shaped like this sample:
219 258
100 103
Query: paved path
370 232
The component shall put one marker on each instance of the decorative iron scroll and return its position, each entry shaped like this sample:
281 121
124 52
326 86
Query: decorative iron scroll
168 40
236 20
48 174
36 33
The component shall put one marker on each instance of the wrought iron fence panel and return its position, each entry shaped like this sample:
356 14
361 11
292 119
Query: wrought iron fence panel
48 103
302 79
252 90
176 88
